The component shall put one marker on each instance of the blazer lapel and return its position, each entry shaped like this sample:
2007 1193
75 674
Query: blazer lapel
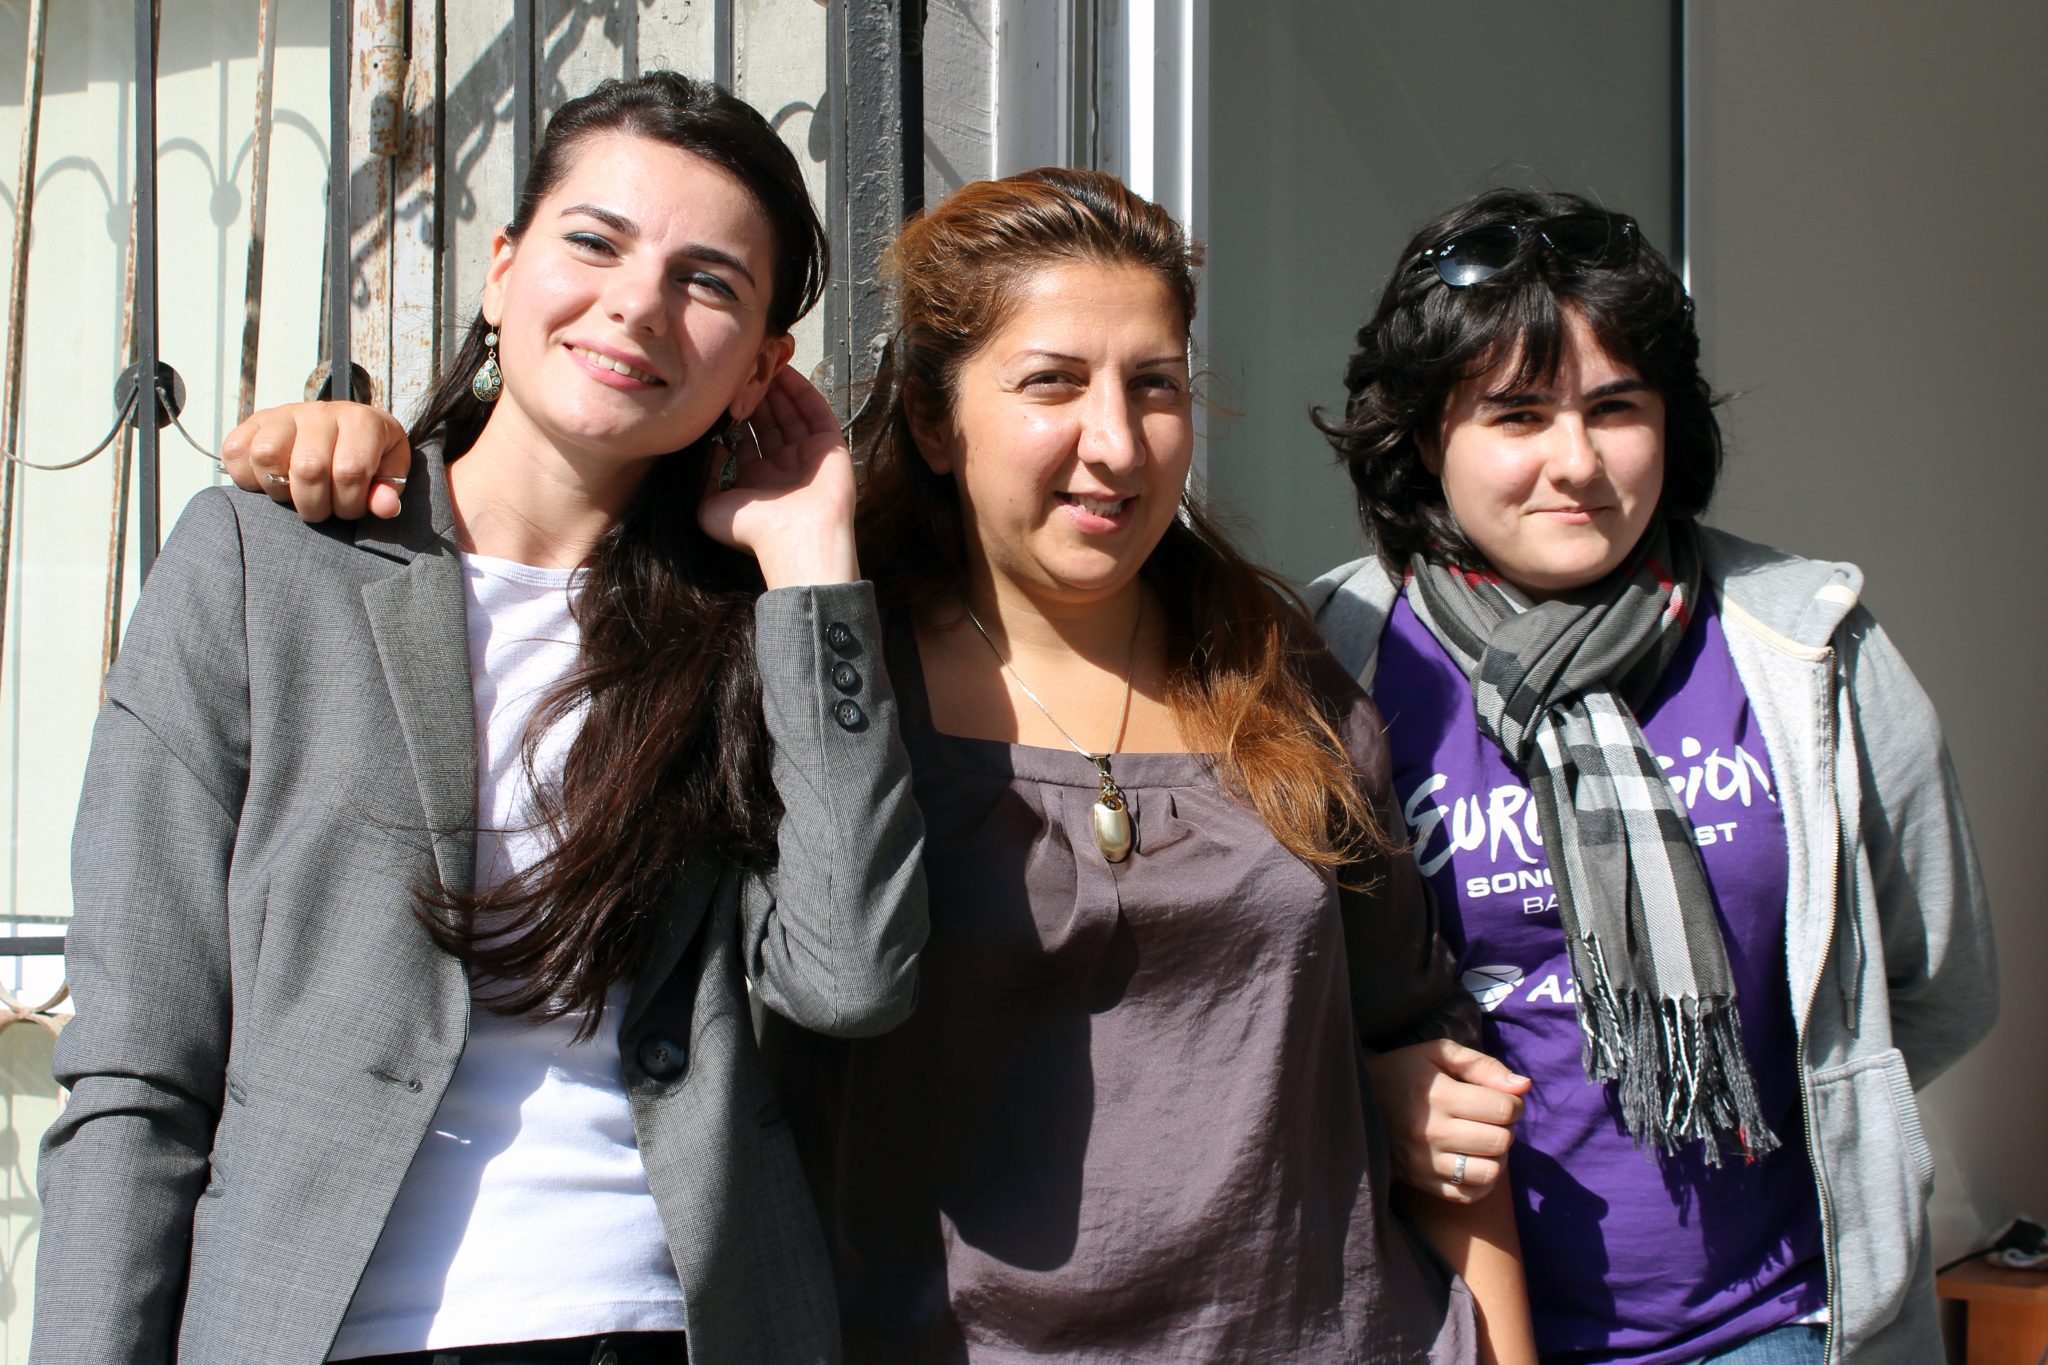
681 920
421 629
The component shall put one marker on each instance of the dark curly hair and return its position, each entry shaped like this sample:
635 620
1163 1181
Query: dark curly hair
1427 338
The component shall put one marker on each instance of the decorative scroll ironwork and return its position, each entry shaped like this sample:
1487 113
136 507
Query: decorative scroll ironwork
874 53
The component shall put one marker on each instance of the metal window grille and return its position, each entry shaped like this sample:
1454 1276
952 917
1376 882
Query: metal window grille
874 173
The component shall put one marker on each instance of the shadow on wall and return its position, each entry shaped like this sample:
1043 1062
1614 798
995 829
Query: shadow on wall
29 1101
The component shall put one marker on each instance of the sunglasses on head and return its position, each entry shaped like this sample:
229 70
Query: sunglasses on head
1479 253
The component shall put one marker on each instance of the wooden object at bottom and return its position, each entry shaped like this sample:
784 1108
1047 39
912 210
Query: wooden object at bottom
2006 1318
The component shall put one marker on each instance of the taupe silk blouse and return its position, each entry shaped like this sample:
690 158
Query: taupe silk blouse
1127 1121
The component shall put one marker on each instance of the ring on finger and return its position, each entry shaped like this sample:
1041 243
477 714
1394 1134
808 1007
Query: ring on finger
1458 1171
277 480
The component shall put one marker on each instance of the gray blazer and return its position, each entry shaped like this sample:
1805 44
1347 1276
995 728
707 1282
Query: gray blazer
264 1031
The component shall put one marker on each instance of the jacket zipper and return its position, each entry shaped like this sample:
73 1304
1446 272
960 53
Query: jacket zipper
1820 1184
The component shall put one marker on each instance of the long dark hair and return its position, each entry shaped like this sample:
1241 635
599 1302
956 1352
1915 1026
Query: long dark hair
1426 338
1239 653
671 751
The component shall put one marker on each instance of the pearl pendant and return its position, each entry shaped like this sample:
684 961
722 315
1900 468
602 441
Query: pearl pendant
1112 816
1113 828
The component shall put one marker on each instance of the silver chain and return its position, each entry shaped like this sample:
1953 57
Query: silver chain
1130 673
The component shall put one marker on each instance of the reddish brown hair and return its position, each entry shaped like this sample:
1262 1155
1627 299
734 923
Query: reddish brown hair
1239 646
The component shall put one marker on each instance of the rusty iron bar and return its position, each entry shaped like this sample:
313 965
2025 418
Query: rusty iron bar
117 550
522 91
414 178
721 43
259 206
875 63
339 366
150 494
377 135
124 465
385 72
835 365
17 313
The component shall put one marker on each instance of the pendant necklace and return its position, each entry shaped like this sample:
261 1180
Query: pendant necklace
1113 833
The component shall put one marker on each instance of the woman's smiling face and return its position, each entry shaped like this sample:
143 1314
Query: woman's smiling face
1071 432
632 313
1554 483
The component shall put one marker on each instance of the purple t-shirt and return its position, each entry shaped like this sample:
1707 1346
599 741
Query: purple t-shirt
1628 1258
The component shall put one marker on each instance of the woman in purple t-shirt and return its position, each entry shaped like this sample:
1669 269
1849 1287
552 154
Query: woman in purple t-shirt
1697 838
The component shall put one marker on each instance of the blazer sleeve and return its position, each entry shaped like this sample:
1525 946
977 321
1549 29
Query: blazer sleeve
1940 964
832 933
1404 976
145 1058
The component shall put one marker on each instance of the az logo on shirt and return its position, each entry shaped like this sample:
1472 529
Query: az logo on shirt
1491 985
1495 984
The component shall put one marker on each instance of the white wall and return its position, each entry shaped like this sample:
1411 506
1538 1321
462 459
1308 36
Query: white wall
1870 197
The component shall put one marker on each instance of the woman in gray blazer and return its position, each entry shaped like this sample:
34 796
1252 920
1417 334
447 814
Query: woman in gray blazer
413 1016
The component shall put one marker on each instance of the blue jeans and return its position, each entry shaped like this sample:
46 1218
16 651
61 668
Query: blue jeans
1802 1343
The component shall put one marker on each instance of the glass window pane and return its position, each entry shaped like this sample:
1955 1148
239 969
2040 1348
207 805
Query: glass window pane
1336 127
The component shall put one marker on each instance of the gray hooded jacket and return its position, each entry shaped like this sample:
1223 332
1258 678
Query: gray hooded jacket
1887 933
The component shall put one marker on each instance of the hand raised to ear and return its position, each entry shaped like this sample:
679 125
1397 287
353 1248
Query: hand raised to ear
324 459
791 501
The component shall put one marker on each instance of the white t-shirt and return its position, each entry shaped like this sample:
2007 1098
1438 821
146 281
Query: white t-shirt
526 1213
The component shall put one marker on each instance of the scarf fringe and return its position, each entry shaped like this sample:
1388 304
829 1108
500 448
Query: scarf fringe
1677 1065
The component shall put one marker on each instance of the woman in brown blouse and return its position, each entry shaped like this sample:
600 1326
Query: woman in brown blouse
1126 1121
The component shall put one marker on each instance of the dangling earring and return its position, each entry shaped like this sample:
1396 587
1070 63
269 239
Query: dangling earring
726 438
489 380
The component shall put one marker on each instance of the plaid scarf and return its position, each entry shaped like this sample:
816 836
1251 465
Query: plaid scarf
1555 684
